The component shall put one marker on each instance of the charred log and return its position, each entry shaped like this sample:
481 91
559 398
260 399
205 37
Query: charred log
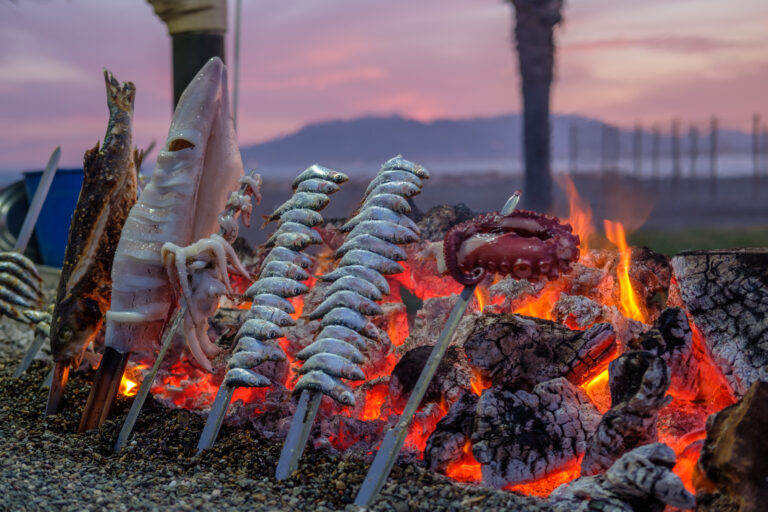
519 437
726 293
452 379
638 382
640 480
439 219
446 443
733 466
519 352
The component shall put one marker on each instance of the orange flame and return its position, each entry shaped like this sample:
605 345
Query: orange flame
545 485
542 306
629 305
128 387
579 214
465 468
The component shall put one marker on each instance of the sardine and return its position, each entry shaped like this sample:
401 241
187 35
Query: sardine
11 268
280 286
293 241
294 227
402 164
242 378
324 383
392 233
357 285
252 359
373 244
347 317
390 201
305 216
19 287
383 214
318 186
268 299
12 311
387 176
318 171
333 346
349 299
14 298
285 254
400 188
333 365
307 200
360 271
346 334
22 261
284 269
260 329
371 260
249 344
272 314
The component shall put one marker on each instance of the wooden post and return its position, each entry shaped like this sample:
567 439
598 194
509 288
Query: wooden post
755 156
713 156
655 143
676 171
693 137
603 150
637 150
573 148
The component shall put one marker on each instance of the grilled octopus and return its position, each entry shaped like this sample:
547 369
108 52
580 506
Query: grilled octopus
523 244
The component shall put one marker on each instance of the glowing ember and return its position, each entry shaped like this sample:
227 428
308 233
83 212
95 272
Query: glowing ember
128 387
374 399
465 469
478 383
541 307
544 486
597 391
629 305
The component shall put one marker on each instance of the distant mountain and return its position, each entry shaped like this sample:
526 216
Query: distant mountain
488 143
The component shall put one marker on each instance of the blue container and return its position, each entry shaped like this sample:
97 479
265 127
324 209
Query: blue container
52 228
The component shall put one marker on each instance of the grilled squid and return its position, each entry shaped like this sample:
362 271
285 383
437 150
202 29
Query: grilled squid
280 276
370 251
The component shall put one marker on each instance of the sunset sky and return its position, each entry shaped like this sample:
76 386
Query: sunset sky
621 61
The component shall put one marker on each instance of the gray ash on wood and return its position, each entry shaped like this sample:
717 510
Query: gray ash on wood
519 352
520 437
439 219
726 293
451 433
451 380
638 383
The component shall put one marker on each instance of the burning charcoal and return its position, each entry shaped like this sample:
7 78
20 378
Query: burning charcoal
431 318
452 378
519 352
438 220
446 443
652 271
514 292
672 340
640 480
579 311
638 382
519 437
726 293
733 467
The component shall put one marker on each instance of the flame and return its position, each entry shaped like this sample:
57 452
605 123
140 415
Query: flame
541 307
579 214
128 387
545 485
374 399
466 468
598 392
482 296
479 383
629 305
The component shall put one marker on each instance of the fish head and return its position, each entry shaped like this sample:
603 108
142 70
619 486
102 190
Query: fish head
76 323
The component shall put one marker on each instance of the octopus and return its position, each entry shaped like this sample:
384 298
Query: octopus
523 244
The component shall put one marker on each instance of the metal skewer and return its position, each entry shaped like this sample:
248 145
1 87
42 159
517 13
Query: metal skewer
395 436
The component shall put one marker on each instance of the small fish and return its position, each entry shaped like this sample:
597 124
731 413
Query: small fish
305 216
19 287
285 254
320 172
360 271
252 359
272 314
284 269
260 329
248 344
371 260
8 267
339 332
11 311
350 318
355 284
379 213
293 241
349 299
22 261
373 244
242 378
324 383
307 200
386 176
333 365
294 227
392 233
318 186
35 316
279 286
13 298
268 299
400 188
333 346
402 164
389 201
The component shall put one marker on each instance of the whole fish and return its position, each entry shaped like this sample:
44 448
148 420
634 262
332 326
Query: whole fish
109 191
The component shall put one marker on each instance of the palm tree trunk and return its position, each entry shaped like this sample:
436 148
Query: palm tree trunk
534 26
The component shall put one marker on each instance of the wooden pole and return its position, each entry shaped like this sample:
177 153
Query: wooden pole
713 156
755 156
676 171
573 149
655 144
693 138
637 150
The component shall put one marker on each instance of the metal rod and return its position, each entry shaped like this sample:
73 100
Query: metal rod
37 201
104 390
395 436
59 375
149 378
236 84
303 419
30 354
215 418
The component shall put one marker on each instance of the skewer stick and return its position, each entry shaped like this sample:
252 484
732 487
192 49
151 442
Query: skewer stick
30 354
37 201
296 440
395 436
104 390
215 418
146 384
